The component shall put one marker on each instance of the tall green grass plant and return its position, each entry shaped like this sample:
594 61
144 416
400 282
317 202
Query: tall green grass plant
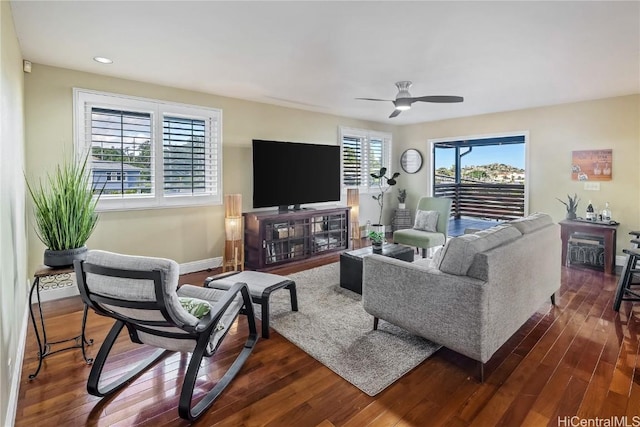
64 208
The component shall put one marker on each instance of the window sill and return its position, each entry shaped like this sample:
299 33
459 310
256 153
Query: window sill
114 205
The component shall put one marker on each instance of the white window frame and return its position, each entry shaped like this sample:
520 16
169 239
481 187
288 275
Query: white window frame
157 109
366 136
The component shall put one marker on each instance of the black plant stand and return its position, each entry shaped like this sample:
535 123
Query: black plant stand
44 346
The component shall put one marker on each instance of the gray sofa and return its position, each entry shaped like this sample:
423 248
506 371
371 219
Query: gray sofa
476 292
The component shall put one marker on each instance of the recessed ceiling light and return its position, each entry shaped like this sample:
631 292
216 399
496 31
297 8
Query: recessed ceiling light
102 60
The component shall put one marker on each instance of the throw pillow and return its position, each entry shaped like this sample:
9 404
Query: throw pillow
426 221
459 252
196 307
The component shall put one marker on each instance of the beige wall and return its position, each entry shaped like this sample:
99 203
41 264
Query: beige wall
191 234
13 276
553 133
183 234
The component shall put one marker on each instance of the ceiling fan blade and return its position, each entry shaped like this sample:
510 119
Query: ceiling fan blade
375 99
442 99
395 113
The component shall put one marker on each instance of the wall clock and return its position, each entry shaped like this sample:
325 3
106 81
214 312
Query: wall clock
411 161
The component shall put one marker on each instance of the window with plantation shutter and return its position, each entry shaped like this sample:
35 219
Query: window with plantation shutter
352 148
363 153
189 158
121 159
148 154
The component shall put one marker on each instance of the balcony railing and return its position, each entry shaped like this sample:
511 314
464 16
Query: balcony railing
484 200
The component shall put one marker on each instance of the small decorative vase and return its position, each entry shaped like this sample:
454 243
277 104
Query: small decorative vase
64 258
377 247
571 215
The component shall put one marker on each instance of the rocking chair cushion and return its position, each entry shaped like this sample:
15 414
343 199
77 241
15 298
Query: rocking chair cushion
186 346
139 290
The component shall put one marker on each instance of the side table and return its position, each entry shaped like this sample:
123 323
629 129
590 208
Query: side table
607 231
401 219
44 346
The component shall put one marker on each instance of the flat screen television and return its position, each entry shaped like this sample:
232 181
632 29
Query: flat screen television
291 173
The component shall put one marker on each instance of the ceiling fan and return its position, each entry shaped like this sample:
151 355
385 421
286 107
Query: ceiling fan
404 99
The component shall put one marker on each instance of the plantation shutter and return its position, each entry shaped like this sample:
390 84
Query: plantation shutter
363 153
376 159
352 159
121 151
190 156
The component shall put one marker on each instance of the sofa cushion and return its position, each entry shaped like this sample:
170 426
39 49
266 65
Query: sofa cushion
437 257
426 221
532 222
458 253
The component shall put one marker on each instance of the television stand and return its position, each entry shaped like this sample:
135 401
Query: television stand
273 238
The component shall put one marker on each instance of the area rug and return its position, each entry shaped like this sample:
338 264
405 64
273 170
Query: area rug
333 328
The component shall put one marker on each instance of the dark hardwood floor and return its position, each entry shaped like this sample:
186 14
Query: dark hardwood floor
576 359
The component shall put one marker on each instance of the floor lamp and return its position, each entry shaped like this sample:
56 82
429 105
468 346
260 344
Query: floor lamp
234 233
353 201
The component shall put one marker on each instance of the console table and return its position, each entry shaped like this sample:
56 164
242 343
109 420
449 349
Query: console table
44 346
607 231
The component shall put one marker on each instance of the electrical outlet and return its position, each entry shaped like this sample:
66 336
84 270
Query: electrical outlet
592 186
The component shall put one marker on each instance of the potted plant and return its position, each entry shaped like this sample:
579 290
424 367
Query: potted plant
402 196
380 176
65 212
572 205
377 239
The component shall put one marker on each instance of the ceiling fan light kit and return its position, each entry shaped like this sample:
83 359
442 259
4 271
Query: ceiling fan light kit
402 104
404 99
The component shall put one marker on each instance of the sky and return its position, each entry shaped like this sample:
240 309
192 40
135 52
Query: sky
509 154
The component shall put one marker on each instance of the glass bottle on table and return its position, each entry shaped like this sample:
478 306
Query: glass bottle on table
606 212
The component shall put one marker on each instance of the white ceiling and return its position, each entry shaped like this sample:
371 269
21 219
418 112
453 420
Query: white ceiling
319 56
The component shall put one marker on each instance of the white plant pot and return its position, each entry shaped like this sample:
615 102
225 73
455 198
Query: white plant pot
402 205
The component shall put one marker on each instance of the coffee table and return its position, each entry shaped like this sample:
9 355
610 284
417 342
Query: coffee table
351 263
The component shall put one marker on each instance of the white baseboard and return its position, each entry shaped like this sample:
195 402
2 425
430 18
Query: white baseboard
70 289
621 260
201 265
12 407
58 293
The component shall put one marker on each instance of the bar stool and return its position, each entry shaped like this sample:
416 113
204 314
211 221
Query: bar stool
624 291
635 244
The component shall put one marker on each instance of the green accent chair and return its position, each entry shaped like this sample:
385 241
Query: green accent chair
425 239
